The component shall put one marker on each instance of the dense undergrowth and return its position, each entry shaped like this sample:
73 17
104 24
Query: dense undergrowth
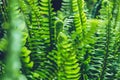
75 40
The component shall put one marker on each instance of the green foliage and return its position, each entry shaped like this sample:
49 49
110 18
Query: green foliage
37 43
16 25
68 67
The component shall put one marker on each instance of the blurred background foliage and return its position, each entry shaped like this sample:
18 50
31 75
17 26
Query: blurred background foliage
59 40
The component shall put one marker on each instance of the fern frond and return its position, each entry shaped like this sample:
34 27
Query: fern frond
68 67
41 39
104 48
47 19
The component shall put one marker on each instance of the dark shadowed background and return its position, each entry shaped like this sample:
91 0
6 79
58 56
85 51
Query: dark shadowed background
56 4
